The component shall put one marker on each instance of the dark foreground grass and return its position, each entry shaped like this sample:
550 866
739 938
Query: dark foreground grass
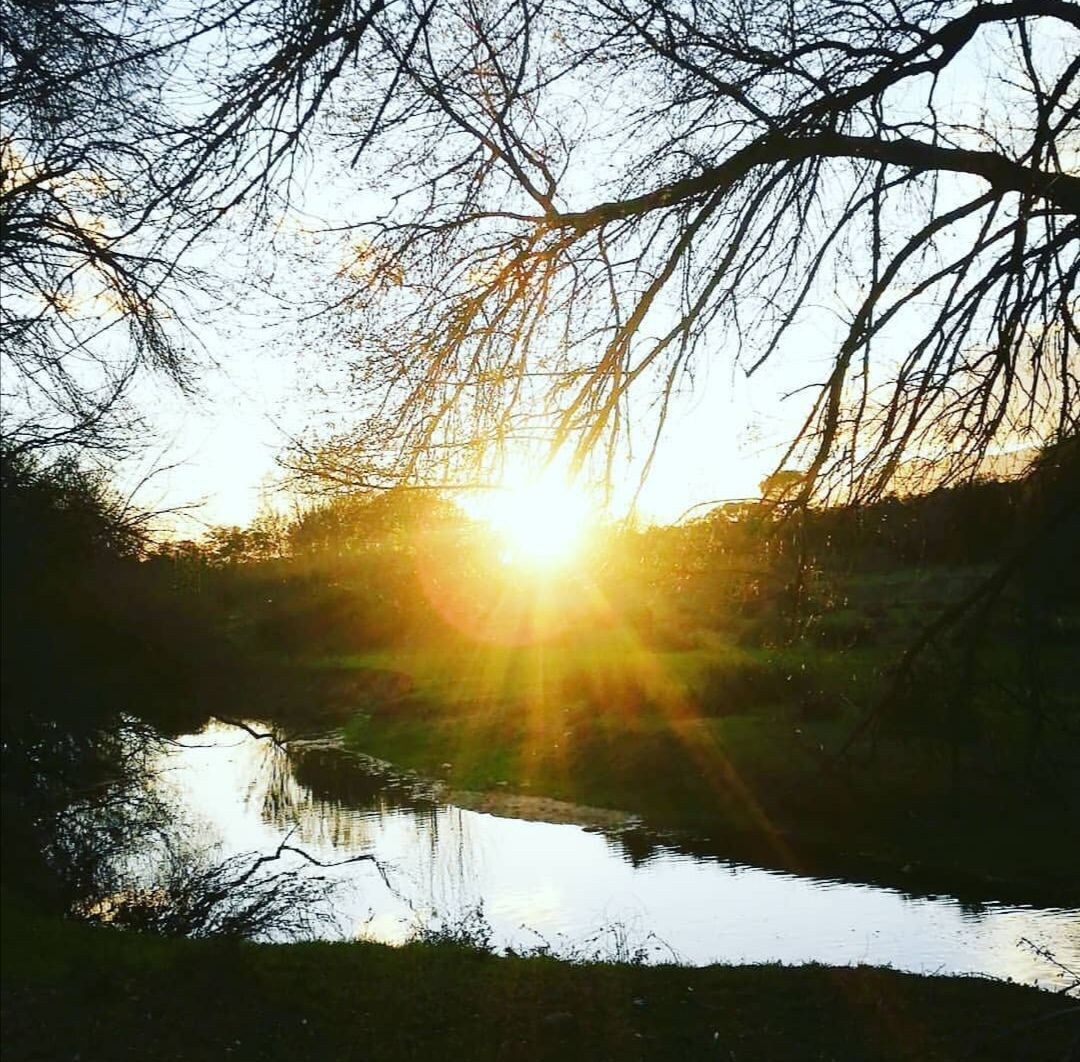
75 992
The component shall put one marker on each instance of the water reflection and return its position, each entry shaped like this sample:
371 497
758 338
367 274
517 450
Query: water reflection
331 797
558 883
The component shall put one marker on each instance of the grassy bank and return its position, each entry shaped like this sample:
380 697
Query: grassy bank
72 991
730 745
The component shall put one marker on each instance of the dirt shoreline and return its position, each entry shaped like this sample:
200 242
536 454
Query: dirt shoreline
505 804
510 805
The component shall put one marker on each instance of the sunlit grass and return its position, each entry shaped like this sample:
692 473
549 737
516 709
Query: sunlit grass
602 714
484 671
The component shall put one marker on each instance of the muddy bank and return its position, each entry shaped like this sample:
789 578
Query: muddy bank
501 802
536 808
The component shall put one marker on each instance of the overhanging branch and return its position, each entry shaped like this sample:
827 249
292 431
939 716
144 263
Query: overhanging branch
1062 190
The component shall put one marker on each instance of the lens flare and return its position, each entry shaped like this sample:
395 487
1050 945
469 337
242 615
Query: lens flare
542 524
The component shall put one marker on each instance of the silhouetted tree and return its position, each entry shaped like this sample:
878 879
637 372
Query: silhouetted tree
591 199
131 132
756 164
87 276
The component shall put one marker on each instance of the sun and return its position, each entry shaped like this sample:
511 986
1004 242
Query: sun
542 524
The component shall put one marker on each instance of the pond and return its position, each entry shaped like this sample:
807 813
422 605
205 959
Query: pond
575 890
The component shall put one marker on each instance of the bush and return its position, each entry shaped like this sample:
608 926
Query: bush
744 685
844 629
606 689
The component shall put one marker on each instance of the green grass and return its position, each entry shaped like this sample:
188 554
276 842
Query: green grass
461 677
75 992
726 733
729 744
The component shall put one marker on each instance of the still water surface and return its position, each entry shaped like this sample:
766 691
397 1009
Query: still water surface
561 885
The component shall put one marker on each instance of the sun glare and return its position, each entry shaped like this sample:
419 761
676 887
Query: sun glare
542 524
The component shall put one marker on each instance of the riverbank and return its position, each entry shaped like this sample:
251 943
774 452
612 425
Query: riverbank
728 746
72 991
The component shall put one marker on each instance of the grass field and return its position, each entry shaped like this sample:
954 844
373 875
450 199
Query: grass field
75 992
729 743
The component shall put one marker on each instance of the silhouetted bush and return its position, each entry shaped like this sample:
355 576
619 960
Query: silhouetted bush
743 686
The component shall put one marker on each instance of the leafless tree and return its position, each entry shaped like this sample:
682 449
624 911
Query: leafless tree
80 121
589 200
586 202
131 133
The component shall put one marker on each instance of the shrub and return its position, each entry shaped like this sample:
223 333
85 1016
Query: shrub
743 685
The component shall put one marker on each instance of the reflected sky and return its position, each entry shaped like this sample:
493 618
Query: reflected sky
560 884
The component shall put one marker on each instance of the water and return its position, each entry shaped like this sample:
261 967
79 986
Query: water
542 883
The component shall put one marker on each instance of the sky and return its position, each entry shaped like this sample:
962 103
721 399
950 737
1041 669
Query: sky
215 452
213 455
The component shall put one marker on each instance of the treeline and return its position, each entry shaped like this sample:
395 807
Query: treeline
88 588
364 571
343 575
92 600
101 654
89 626
968 524
971 523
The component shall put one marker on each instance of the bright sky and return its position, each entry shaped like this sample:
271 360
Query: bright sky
719 442
216 450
